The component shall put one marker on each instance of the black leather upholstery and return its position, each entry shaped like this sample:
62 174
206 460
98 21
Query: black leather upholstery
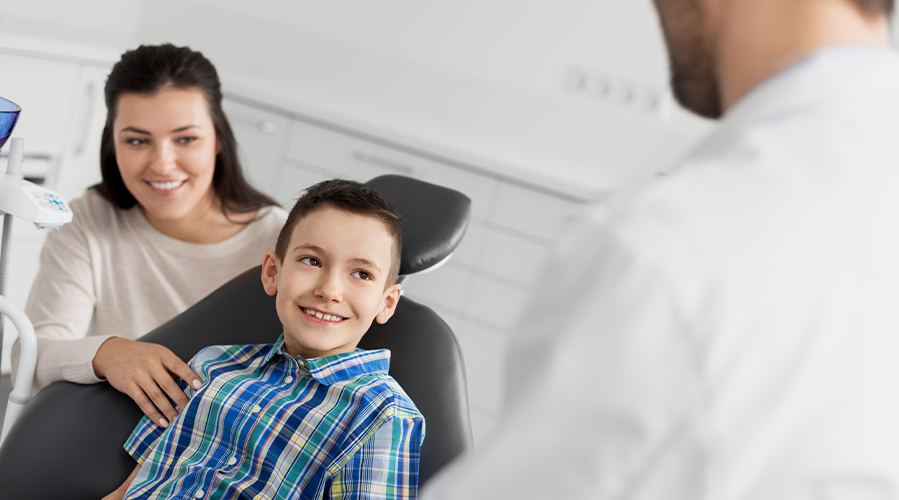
67 444
436 219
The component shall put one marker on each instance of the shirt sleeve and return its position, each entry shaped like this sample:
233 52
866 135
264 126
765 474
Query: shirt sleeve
61 307
386 466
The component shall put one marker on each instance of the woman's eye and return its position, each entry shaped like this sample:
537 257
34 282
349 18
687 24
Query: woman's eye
136 141
364 275
310 261
186 140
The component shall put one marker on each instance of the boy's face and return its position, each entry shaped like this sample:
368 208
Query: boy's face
332 282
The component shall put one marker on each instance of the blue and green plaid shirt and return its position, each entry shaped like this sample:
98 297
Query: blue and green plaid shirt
266 424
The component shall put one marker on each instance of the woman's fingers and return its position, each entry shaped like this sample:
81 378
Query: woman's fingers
175 365
171 389
147 406
145 372
158 397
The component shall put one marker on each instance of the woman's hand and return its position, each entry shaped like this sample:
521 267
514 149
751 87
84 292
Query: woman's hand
144 372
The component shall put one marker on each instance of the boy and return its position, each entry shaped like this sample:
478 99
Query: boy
309 416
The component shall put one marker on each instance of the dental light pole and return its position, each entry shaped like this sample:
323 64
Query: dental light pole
22 199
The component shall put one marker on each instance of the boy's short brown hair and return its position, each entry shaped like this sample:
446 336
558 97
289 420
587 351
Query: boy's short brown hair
353 197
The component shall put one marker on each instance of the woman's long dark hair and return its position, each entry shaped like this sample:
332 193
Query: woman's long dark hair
148 69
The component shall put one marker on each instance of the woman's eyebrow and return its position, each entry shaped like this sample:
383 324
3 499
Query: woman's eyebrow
145 132
182 129
134 130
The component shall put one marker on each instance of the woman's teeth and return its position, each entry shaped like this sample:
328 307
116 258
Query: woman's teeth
166 186
322 316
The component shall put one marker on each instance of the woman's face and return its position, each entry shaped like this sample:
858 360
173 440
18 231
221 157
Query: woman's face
165 146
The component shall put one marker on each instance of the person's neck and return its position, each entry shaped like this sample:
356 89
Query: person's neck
759 38
205 224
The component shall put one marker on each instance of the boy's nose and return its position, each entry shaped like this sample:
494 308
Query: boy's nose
328 289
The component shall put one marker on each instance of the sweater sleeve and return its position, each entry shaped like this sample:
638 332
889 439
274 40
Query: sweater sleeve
61 306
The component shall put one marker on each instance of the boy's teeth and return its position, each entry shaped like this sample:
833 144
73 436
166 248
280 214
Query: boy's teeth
322 316
166 185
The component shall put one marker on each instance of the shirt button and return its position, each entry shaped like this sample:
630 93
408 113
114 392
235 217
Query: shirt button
288 379
199 494
256 409
232 460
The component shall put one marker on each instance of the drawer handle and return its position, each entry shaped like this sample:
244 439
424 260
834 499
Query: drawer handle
268 127
382 162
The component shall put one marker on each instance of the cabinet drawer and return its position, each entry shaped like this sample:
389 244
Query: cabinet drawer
471 247
260 141
532 212
517 259
484 352
497 304
448 286
294 179
350 157
359 159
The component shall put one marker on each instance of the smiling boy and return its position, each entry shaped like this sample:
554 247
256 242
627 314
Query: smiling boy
310 416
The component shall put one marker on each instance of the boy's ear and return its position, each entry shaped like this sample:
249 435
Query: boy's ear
270 267
391 299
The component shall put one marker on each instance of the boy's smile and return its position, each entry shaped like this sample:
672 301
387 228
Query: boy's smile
332 282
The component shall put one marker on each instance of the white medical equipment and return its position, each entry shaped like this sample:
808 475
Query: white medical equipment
22 199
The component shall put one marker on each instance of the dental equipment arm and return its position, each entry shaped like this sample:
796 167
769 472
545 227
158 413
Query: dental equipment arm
20 198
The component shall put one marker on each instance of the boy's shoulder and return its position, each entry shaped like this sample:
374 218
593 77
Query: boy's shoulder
383 390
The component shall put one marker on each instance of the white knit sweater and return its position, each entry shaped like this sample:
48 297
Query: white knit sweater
110 273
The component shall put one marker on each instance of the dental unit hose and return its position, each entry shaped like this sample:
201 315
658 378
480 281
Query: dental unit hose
14 169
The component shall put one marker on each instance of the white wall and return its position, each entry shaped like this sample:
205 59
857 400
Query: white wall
528 44
98 22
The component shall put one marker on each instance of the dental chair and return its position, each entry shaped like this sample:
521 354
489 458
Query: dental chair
67 444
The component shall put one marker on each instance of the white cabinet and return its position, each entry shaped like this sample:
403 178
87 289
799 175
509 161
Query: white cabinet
46 90
260 137
79 165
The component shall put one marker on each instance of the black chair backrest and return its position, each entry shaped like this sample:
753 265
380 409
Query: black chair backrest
68 441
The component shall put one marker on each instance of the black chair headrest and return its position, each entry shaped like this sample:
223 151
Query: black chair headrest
436 219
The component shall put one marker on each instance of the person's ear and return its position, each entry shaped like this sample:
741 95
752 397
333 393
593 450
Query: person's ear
391 299
270 267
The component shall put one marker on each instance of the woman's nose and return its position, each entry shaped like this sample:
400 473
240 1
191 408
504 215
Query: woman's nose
163 159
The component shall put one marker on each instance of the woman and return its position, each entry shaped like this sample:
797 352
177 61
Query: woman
172 220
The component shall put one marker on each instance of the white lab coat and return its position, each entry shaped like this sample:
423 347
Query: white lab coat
728 331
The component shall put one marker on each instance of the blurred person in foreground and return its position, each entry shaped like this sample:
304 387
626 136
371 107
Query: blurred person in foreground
728 331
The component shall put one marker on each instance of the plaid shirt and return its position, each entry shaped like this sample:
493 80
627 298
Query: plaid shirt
269 425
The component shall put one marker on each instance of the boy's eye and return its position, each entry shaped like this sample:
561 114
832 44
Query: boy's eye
185 140
364 275
310 261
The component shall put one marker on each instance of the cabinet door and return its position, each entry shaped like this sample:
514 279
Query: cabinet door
46 91
260 142
79 167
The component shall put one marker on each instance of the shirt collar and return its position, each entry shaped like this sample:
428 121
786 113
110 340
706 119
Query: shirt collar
820 76
329 370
